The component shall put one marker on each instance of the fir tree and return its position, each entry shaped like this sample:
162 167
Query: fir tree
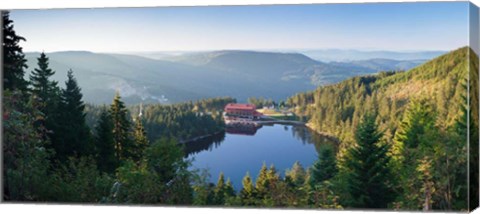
121 129
75 134
325 167
247 194
42 86
104 144
141 141
47 94
367 163
262 182
220 190
14 61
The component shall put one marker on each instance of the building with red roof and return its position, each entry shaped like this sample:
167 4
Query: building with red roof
241 110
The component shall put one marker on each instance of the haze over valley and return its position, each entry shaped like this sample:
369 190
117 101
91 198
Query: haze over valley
166 77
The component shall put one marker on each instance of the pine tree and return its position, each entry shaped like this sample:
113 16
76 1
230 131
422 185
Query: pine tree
42 86
367 164
262 182
104 144
141 141
121 129
14 61
220 190
47 94
75 134
325 167
247 194
297 174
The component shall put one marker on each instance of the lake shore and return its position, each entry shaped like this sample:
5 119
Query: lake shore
324 134
200 137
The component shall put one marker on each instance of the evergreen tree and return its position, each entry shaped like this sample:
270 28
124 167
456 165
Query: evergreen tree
220 190
325 167
42 85
47 94
14 61
262 182
297 174
367 163
104 144
121 129
141 141
229 190
74 132
247 194
413 154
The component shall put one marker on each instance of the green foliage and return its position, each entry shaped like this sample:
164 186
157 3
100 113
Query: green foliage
261 102
77 181
140 138
104 144
248 192
325 167
121 129
368 165
72 132
13 60
25 157
161 179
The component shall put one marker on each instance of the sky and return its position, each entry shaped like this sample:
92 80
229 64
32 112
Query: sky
373 26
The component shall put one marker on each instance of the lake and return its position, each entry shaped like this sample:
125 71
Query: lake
238 151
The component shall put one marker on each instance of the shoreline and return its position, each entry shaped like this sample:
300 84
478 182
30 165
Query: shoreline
200 137
324 134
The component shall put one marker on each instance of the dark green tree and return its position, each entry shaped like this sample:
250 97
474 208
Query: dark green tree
104 144
47 93
325 167
220 190
368 165
121 129
140 138
14 61
42 85
74 133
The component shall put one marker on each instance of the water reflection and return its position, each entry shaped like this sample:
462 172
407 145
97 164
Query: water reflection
240 150
205 144
250 130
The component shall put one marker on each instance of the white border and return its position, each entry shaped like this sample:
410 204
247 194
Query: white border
82 209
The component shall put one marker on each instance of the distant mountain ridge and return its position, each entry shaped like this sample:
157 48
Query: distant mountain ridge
192 76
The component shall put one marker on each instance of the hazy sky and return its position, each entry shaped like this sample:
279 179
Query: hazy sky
386 26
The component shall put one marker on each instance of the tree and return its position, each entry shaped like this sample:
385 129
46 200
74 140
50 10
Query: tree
14 61
42 86
74 133
297 174
368 166
220 190
247 194
140 138
413 154
47 93
104 144
25 157
325 167
121 129
262 182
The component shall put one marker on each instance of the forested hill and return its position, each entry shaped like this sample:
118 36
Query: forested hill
336 109
239 74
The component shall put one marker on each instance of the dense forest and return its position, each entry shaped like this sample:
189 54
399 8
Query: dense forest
402 142
422 115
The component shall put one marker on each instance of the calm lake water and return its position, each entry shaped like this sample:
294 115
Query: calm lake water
239 151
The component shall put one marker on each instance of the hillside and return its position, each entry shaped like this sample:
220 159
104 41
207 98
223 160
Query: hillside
336 109
192 76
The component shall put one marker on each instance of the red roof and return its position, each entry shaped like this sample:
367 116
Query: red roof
240 106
